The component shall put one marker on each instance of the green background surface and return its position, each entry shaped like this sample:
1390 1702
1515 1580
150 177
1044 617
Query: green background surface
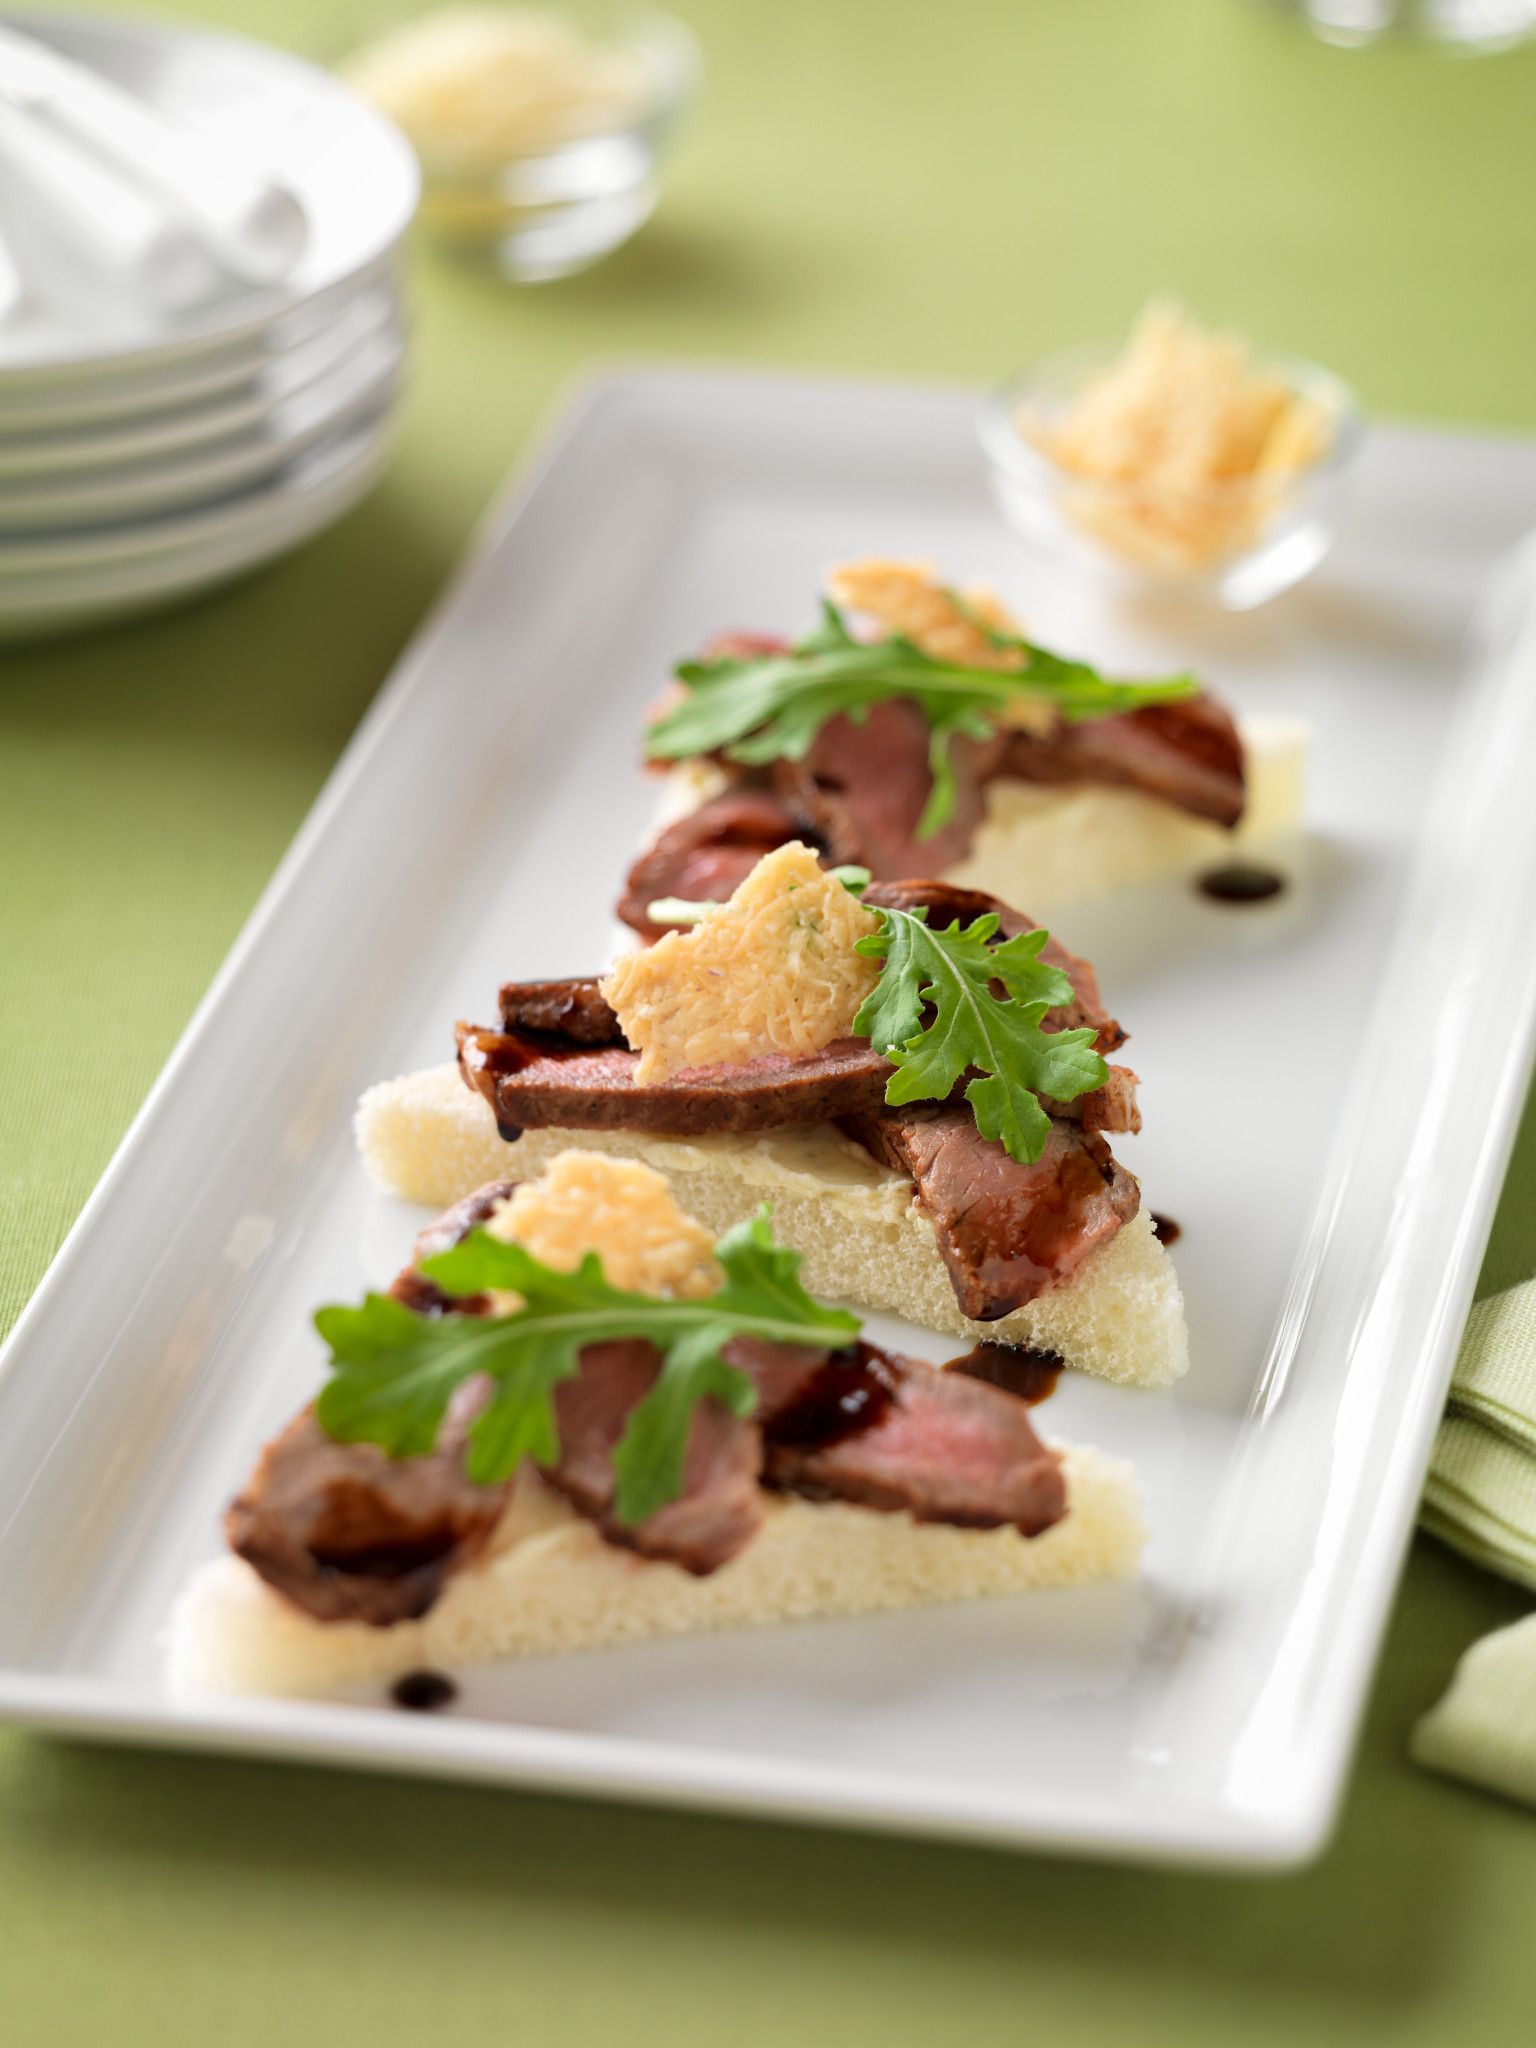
940 190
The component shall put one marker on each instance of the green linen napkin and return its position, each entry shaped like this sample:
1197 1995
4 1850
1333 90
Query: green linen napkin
1481 1499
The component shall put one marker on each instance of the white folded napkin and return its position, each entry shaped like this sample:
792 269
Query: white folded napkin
152 212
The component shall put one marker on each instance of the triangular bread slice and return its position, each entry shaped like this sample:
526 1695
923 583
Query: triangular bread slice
549 1583
429 1138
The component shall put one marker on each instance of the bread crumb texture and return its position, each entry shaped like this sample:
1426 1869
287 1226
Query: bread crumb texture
622 1210
771 970
549 1583
857 1225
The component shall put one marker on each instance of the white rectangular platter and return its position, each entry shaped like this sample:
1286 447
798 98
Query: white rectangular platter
1330 1086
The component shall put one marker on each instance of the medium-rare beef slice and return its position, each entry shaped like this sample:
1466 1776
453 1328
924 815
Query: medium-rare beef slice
720 1508
531 1085
705 855
531 1088
865 786
1006 1231
896 1434
941 1449
348 1533
1187 753
574 1012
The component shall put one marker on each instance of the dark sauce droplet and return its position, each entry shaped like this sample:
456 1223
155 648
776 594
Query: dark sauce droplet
1016 1368
1239 882
1165 1230
848 1393
424 1692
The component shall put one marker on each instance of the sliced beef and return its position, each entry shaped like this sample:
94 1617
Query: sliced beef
888 1432
348 1533
575 1012
703 856
531 1087
1188 754
944 1450
534 1085
859 793
720 1508
1112 1108
1007 1232
864 787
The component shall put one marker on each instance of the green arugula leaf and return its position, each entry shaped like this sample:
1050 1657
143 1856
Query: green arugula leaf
760 708
394 1371
648 1459
935 1016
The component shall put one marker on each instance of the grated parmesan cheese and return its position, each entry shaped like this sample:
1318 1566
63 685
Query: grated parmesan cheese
590 1202
1184 419
907 598
772 970
474 85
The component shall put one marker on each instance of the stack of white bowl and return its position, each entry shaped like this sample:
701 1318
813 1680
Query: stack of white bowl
148 450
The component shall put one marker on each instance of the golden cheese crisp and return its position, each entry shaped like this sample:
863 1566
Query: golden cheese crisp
772 970
908 598
1180 423
590 1202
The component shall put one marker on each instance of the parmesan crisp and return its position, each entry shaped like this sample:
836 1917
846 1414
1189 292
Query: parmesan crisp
908 598
589 1202
772 970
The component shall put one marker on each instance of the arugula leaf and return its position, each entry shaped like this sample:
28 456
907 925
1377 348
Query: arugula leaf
648 1459
758 708
394 1371
935 1017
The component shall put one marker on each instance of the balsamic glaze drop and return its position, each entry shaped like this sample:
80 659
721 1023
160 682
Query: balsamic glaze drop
1165 1230
1240 882
850 1391
424 1692
1016 1368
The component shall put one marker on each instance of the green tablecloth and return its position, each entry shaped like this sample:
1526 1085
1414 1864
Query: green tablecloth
899 188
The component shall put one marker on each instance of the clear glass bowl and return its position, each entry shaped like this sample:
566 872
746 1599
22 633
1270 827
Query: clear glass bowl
555 211
1236 543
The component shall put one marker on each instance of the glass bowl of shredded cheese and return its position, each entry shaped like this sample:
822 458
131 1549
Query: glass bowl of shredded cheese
540 130
1181 460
